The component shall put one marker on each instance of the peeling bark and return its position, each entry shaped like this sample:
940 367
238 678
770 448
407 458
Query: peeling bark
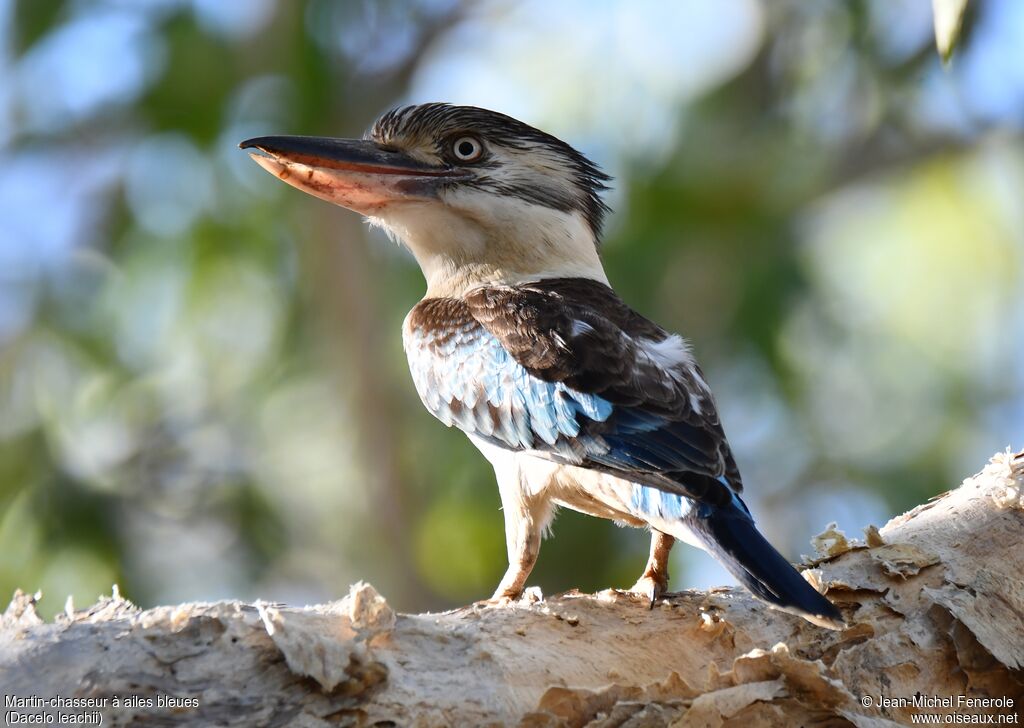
934 601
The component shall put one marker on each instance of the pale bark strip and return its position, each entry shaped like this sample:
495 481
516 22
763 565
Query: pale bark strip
934 601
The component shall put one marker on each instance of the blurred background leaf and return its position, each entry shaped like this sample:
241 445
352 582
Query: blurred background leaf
949 21
202 388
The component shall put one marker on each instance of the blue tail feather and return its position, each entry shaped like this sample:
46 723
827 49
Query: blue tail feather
729 534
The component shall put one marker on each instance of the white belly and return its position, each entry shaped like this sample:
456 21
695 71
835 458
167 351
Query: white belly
581 489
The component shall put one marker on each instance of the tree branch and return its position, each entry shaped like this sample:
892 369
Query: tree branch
934 602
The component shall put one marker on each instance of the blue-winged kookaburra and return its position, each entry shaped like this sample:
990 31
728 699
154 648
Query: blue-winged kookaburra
521 343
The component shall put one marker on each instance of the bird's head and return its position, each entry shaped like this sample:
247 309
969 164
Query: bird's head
477 196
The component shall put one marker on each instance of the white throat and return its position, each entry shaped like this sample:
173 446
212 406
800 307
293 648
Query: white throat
460 247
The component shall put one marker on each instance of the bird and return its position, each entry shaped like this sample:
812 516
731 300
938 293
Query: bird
520 341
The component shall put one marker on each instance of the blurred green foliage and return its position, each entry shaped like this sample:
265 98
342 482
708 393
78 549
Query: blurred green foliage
202 388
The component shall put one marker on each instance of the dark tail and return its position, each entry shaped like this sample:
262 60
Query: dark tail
729 534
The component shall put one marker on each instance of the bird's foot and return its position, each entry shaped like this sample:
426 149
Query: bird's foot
530 595
495 601
650 586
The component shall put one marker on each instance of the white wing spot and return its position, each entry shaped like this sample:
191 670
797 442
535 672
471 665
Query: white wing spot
672 353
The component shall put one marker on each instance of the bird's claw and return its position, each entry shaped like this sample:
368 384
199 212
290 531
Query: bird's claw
650 587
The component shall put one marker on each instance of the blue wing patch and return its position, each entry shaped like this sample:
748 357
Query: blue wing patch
467 380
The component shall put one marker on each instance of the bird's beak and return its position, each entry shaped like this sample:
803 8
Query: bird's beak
354 173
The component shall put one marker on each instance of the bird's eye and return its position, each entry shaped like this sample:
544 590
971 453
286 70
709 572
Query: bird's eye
467 149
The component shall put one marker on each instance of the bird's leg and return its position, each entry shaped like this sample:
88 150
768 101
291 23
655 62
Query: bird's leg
522 538
525 519
654 581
